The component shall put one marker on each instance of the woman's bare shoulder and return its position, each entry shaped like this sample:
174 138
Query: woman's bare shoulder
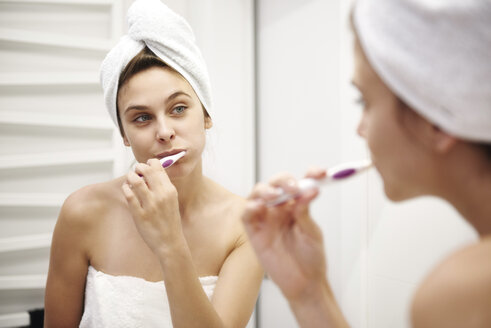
458 292
90 202
229 208
235 207
229 201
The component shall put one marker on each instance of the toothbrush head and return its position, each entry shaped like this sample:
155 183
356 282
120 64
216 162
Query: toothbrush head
346 170
334 174
343 174
168 161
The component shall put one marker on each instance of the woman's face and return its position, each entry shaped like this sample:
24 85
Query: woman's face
389 130
162 115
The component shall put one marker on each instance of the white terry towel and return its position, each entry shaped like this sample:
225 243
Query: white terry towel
436 56
170 37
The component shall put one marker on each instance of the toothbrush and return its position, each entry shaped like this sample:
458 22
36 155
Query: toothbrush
334 174
168 161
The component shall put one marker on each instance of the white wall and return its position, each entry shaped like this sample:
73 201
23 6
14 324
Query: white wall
377 251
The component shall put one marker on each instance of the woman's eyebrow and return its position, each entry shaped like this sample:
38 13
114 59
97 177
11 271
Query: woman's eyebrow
171 97
135 107
177 94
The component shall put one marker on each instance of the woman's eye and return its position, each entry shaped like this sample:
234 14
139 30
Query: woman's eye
142 118
360 101
179 109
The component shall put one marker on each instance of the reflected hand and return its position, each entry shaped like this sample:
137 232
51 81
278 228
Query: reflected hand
153 202
287 241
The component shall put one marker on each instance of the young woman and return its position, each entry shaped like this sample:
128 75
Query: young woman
157 247
424 71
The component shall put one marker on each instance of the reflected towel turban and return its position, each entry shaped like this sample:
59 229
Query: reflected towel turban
435 55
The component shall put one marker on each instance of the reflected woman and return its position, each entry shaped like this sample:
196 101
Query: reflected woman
157 247
423 68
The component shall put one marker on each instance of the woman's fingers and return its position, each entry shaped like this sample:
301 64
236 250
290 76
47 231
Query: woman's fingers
138 186
286 182
258 216
157 176
315 172
299 205
264 192
254 214
258 213
151 185
154 175
133 202
301 209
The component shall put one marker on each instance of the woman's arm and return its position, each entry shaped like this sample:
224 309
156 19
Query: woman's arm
238 285
318 308
68 267
290 247
234 296
154 206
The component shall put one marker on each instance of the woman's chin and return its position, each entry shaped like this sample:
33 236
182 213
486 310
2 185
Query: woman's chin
395 194
400 194
179 171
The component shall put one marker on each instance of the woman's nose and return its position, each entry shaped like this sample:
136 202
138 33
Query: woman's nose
361 128
165 131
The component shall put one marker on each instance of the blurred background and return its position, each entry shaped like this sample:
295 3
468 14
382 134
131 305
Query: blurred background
280 72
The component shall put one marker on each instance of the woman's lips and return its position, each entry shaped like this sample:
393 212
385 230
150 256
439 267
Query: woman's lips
169 153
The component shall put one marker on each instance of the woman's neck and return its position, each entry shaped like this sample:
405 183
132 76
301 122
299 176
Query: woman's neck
192 191
470 192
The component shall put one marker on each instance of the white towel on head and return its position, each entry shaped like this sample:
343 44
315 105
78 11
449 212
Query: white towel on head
436 56
169 36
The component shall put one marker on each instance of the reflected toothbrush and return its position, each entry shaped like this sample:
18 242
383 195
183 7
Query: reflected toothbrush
168 161
337 173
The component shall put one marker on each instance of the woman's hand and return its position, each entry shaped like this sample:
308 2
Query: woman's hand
286 239
153 203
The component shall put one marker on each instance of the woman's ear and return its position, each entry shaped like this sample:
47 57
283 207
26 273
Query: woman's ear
126 142
442 141
431 135
208 123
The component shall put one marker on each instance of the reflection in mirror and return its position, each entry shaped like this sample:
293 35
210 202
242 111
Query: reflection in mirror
64 161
